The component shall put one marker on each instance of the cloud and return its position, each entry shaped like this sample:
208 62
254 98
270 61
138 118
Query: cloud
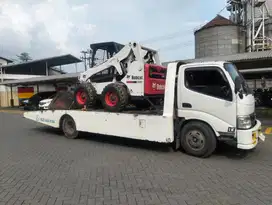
48 27
52 27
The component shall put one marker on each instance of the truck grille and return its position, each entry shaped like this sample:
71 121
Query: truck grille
253 119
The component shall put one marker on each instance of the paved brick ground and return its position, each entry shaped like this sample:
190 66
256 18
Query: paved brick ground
39 166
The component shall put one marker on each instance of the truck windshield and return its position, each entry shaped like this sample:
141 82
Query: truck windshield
234 73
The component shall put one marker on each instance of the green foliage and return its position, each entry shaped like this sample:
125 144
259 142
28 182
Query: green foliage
24 57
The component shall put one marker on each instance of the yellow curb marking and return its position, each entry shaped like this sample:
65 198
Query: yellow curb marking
268 130
12 111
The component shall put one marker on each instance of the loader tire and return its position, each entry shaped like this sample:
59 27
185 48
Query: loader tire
85 94
115 97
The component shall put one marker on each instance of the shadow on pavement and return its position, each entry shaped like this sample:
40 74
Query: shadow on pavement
223 150
234 153
139 144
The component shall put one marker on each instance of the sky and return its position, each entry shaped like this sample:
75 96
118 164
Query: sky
46 28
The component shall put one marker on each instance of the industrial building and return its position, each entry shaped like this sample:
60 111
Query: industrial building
219 37
4 61
248 29
21 81
254 16
245 39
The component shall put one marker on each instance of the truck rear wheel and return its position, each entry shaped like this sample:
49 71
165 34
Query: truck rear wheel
198 139
68 126
115 97
85 94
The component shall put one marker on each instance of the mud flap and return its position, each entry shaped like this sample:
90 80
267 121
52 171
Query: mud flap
177 131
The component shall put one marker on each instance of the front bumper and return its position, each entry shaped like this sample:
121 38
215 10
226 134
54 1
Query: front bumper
248 139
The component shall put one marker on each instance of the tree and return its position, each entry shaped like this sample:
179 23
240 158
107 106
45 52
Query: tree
24 57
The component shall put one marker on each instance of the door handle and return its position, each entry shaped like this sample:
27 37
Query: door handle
188 105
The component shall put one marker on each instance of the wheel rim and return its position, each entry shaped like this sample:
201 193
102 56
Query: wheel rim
81 97
195 140
111 99
69 126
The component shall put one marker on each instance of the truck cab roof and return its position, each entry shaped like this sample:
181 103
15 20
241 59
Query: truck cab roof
202 63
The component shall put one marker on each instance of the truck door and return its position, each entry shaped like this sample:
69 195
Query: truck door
205 93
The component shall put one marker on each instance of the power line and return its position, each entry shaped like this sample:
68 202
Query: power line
222 9
165 37
174 34
175 46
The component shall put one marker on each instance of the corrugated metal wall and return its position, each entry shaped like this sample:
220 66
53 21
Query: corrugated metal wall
257 83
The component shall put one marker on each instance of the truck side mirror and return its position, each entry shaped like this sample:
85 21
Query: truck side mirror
237 85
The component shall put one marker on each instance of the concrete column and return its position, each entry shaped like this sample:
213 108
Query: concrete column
46 68
11 97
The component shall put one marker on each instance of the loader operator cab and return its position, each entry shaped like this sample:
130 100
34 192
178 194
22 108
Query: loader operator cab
103 51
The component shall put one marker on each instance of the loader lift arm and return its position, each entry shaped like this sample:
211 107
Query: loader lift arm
116 57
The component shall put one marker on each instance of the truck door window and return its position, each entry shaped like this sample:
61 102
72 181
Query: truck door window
209 81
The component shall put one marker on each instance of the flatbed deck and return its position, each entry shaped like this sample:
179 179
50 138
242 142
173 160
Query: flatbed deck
126 111
142 125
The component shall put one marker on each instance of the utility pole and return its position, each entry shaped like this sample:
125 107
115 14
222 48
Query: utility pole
90 57
84 58
2 73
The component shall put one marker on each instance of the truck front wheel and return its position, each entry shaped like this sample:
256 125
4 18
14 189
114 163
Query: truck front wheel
198 139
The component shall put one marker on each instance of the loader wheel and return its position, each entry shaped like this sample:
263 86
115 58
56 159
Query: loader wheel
85 94
69 127
198 139
114 97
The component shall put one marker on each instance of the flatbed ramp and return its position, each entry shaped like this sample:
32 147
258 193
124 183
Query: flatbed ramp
156 128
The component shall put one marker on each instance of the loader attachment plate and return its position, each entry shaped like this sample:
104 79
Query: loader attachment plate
63 101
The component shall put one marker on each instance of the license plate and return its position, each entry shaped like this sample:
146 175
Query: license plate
262 136
254 137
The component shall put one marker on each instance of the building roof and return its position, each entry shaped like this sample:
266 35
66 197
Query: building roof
51 62
217 21
239 57
43 80
105 44
8 60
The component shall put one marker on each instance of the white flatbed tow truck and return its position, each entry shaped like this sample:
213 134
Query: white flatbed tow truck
204 103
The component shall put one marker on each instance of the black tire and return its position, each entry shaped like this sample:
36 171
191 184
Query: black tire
68 127
205 140
90 96
115 91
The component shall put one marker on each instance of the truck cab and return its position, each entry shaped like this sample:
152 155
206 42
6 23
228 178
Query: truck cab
216 94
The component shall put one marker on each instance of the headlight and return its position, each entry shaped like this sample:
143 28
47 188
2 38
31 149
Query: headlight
243 122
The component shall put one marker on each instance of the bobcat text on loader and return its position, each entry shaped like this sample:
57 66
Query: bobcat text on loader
204 103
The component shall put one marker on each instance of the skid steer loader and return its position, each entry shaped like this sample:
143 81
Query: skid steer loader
120 75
